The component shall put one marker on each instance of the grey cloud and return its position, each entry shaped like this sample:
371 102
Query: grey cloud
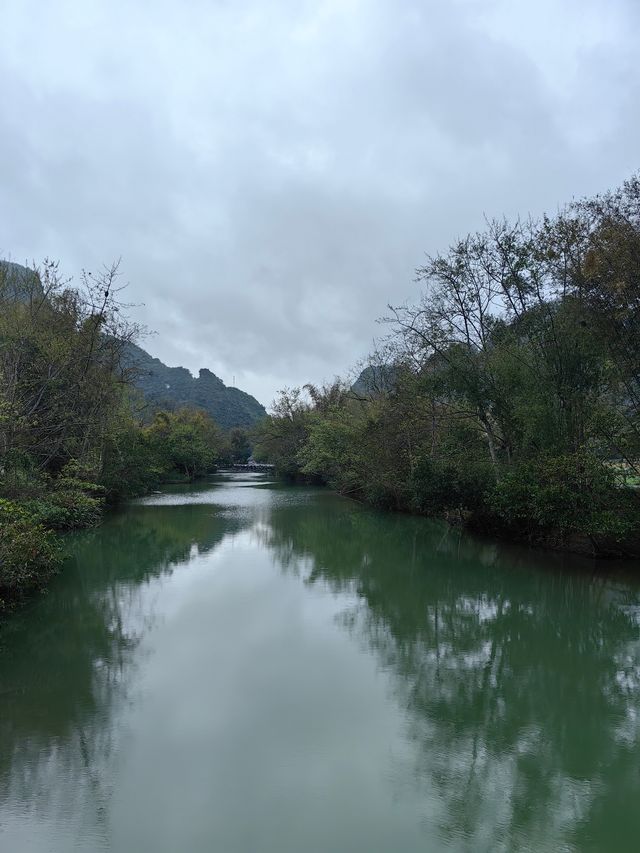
273 172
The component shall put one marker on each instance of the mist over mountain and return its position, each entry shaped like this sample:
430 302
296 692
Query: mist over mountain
18 281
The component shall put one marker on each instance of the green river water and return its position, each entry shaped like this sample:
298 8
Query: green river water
241 667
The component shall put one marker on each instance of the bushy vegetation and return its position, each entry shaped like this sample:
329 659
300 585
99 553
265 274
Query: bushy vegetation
29 553
73 434
508 397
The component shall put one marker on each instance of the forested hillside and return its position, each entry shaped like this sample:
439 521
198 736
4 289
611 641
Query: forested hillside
174 387
508 396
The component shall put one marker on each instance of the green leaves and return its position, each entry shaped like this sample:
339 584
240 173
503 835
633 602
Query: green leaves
29 553
569 494
515 384
186 442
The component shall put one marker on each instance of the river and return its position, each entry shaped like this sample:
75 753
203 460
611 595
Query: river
242 667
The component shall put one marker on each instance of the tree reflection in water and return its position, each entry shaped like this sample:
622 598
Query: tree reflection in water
519 671
66 662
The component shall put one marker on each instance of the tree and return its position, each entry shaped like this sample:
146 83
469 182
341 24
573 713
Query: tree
240 446
280 437
186 442
61 369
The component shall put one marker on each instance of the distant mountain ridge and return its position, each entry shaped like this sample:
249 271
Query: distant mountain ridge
375 380
18 281
174 387
162 386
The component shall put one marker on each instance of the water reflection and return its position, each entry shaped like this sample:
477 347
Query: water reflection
516 674
521 684
67 661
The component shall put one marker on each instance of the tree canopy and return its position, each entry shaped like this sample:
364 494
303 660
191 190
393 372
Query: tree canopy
510 394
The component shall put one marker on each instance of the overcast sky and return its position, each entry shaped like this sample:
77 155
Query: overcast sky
272 171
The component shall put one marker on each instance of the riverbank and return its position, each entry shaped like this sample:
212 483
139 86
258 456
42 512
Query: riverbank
507 393
33 525
581 515
30 526
31 548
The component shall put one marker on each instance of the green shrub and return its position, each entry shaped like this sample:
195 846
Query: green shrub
569 494
66 509
383 495
29 554
45 512
69 502
441 486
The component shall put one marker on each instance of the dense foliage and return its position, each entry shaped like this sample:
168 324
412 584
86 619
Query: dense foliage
508 396
28 553
73 434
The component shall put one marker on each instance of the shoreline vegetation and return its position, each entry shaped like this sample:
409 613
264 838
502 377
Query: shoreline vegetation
75 435
507 399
